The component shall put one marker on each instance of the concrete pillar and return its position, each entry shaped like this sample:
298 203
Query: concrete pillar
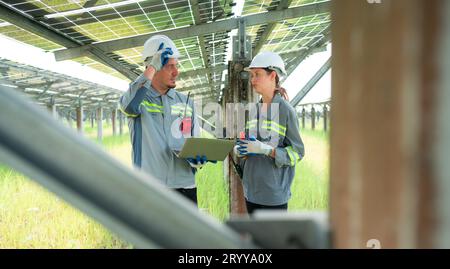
100 123
389 178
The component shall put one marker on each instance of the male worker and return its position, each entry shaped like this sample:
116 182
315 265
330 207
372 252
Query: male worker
160 118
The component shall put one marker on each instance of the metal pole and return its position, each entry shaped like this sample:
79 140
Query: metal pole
80 118
92 118
120 123
238 93
51 106
303 117
100 123
113 120
69 118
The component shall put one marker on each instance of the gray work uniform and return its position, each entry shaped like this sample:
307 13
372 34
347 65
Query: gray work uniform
154 122
267 181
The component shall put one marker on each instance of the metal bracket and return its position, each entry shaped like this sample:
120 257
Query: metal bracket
278 229
242 44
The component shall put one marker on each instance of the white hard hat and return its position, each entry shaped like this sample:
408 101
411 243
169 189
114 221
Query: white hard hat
153 44
270 60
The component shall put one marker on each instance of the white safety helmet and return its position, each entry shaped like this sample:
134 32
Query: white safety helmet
152 45
270 60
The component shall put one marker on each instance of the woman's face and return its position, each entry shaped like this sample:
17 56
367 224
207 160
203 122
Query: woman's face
262 81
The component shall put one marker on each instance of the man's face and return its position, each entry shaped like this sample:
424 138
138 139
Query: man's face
168 74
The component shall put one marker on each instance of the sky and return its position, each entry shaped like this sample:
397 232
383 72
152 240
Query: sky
304 72
30 55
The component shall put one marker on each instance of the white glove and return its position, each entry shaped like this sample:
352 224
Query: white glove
160 58
254 147
236 151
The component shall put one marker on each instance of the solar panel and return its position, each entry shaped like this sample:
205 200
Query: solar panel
97 21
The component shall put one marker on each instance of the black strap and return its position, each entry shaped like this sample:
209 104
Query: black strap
269 113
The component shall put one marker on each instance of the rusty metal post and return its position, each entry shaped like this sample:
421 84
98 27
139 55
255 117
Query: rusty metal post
231 99
389 178
238 92
79 111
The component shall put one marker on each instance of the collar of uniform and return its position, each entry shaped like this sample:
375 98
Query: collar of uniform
155 93
171 93
276 99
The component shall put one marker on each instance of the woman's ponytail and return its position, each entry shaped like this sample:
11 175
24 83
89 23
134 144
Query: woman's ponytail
282 91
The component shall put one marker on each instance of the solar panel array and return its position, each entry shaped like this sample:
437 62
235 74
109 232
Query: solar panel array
46 87
204 56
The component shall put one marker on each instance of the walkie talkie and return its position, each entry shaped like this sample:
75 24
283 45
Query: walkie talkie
186 122
245 135
246 125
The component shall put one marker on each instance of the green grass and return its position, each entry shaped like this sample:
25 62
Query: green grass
212 191
32 217
310 186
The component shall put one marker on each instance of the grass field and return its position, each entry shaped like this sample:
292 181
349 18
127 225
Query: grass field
32 217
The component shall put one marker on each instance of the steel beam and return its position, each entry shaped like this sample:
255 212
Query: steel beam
311 83
201 39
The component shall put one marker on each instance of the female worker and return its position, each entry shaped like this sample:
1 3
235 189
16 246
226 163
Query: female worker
273 145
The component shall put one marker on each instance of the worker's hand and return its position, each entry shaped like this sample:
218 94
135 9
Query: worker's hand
198 162
253 147
161 57
236 152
